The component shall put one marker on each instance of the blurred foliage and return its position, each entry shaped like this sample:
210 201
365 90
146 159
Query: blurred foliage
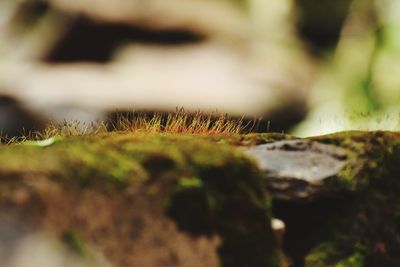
358 85
320 21
355 44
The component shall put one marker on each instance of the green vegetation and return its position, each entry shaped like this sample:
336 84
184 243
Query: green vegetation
208 186
179 122
372 156
326 254
74 242
362 228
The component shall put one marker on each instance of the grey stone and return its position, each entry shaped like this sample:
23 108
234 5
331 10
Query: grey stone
299 169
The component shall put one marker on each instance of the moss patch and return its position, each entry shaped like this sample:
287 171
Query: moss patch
74 242
360 225
210 188
207 186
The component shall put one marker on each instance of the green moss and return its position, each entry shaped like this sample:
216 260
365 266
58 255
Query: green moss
329 255
360 225
209 187
226 198
363 228
212 188
369 220
73 241
322 255
189 182
372 157
355 260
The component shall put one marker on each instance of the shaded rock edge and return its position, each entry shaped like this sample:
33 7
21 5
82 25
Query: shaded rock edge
358 225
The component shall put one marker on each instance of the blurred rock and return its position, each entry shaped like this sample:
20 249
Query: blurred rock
88 40
100 27
204 77
226 18
129 55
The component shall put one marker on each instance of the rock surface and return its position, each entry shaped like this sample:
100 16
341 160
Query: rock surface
356 224
298 169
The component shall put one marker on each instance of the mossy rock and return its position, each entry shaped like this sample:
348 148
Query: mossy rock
143 199
358 224
199 201
366 229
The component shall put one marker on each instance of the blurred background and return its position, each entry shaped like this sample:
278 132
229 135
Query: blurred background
306 67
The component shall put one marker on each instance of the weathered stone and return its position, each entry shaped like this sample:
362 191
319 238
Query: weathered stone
357 225
298 169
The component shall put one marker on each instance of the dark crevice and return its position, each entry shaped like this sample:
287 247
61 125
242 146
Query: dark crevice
87 40
308 224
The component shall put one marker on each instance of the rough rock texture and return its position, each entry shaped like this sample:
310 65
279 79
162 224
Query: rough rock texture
299 169
358 224
352 217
